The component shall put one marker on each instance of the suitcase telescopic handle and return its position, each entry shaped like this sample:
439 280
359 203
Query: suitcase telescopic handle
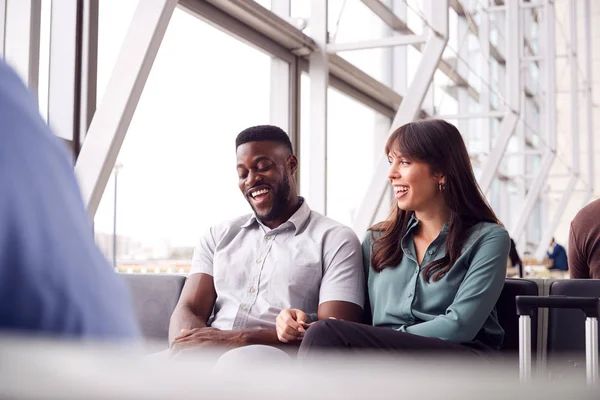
589 305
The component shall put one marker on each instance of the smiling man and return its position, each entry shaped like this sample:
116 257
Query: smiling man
282 257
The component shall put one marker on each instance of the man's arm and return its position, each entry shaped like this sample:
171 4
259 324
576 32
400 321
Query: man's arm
189 326
195 305
578 268
342 293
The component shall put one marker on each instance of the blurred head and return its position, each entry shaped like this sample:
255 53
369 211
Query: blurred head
430 169
266 166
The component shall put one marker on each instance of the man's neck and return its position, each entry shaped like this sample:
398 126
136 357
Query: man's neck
293 205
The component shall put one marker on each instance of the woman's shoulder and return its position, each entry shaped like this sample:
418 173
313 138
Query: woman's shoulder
488 231
372 234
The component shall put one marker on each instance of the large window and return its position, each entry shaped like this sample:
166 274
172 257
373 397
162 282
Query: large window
176 174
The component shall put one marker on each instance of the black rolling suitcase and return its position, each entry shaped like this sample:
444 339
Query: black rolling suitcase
591 308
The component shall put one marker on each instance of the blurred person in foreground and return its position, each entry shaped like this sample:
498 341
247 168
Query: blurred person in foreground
435 268
282 256
584 243
54 281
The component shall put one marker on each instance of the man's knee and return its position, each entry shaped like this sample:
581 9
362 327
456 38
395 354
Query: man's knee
251 355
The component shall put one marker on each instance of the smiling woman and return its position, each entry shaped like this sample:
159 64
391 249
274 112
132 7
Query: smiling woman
435 268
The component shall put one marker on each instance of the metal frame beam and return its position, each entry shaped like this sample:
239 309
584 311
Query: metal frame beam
315 141
588 104
88 69
65 70
279 78
550 122
22 39
377 43
387 15
111 121
574 134
408 111
513 91
2 26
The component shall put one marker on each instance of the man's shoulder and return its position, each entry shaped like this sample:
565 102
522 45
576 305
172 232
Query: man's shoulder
327 227
591 211
229 226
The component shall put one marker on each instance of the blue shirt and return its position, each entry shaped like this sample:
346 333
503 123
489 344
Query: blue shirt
53 278
559 257
459 307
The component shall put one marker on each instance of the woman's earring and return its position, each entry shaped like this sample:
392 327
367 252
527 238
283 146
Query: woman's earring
442 187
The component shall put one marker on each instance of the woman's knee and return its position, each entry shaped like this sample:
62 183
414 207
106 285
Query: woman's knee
322 334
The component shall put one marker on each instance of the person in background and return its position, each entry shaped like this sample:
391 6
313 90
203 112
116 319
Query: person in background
558 255
584 243
54 281
436 267
515 260
283 256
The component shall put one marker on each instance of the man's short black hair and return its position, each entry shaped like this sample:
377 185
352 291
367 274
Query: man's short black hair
264 133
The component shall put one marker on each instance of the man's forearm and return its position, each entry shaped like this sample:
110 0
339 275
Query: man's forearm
184 318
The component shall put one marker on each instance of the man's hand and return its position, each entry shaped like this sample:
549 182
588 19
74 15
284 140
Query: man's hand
291 324
207 337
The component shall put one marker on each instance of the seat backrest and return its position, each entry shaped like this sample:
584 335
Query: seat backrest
507 313
154 298
566 328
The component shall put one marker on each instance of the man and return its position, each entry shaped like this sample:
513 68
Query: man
558 255
284 256
53 279
584 243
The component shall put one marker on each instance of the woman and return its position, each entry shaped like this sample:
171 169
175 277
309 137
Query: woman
436 266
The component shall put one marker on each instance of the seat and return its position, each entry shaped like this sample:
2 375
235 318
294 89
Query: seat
154 298
507 313
566 328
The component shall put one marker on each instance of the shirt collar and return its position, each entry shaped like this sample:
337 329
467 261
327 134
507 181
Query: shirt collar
299 219
413 222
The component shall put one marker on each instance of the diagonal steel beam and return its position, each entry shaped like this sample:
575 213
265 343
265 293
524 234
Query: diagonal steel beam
387 15
507 127
113 116
533 195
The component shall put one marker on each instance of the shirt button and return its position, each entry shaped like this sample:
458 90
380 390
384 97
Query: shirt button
268 237
252 290
430 252
244 307
410 295
258 261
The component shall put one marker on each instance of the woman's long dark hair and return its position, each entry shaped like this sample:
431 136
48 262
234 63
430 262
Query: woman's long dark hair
440 145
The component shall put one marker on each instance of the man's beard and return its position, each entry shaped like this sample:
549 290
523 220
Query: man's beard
280 201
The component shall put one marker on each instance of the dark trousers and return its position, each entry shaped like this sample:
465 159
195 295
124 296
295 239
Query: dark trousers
331 335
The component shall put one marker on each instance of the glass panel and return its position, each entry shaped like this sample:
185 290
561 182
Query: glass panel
356 137
178 174
114 18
